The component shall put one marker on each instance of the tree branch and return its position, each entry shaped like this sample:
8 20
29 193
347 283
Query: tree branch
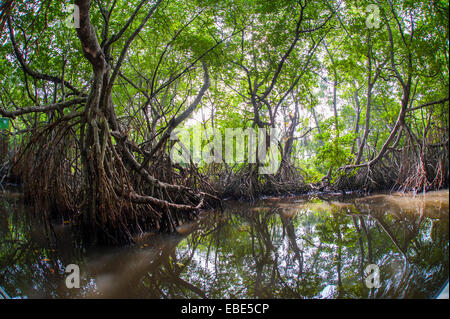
42 108
28 70
428 104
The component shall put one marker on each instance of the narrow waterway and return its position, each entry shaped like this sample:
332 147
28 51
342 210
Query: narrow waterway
298 247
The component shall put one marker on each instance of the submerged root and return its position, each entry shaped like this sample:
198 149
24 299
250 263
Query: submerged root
247 183
416 168
107 199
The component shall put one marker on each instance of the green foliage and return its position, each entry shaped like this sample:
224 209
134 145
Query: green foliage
243 43
336 150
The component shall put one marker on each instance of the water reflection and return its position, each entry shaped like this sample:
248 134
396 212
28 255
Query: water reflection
277 248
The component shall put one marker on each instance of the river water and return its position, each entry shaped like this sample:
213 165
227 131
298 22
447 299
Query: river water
298 247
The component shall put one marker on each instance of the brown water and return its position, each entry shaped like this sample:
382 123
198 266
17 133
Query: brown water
298 247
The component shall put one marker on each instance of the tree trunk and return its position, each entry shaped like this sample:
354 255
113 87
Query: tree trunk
112 211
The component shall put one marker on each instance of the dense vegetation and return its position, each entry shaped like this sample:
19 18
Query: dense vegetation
358 90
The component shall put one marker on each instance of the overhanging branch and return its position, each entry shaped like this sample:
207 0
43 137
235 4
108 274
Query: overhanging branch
42 108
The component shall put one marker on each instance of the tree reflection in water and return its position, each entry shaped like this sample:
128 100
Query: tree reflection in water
277 248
